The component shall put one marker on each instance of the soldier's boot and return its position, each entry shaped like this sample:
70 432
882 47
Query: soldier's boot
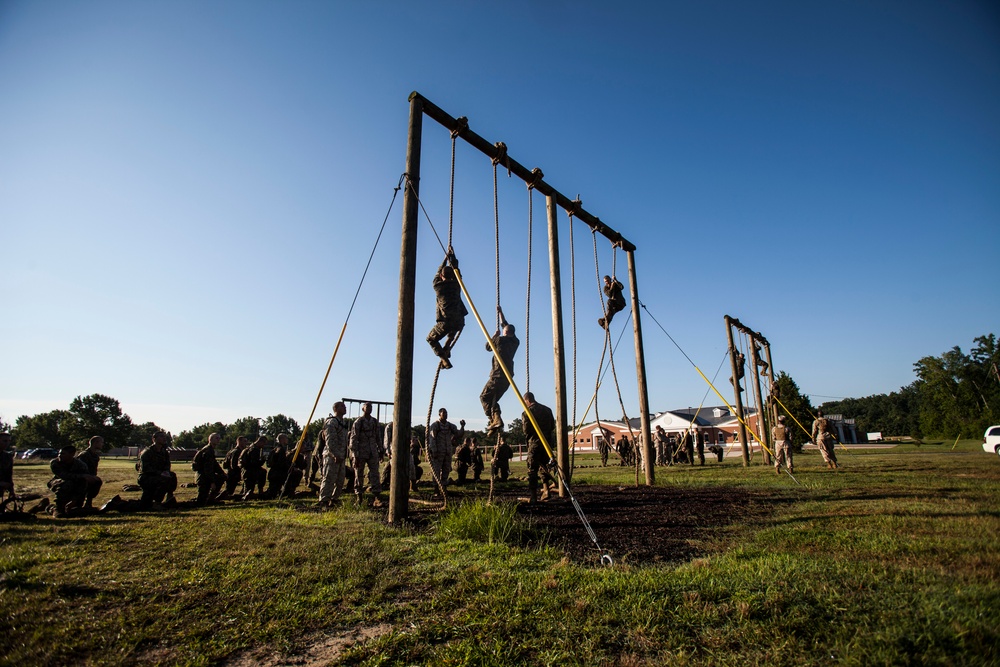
601 323
377 500
545 492
38 507
111 504
532 496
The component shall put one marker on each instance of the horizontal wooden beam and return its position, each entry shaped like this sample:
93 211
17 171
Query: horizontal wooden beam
491 151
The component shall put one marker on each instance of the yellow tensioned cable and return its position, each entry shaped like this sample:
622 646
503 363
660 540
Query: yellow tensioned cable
503 366
733 410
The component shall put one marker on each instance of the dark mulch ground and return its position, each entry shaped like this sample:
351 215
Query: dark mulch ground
638 525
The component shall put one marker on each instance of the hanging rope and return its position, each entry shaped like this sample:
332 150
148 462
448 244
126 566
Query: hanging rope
500 157
527 298
326 376
572 282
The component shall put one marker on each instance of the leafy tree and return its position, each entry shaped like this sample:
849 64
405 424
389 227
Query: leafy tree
515 432
794 405
197 437
48 429
142 434
101 415
4 426
248 427
277 424
959 393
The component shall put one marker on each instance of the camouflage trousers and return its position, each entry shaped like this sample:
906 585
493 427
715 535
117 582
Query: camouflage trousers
369 462
827 449
495 388
333 476
440 467
783 454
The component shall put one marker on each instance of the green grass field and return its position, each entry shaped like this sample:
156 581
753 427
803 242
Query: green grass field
893 560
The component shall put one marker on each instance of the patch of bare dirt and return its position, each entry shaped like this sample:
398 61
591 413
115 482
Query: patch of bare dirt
317 651
637 524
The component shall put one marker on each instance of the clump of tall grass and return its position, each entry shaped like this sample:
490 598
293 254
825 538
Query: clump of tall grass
491 523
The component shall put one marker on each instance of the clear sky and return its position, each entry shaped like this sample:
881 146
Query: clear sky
189 192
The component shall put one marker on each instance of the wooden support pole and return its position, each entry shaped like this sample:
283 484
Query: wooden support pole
399 484
745 446
558 346
770 376
640 372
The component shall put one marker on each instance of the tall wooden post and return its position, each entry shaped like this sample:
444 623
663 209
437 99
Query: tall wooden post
403 398
640 372
761 413
736 391
558 345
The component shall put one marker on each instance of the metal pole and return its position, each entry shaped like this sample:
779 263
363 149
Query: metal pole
558 345
736 390
403 399
640 372
761 416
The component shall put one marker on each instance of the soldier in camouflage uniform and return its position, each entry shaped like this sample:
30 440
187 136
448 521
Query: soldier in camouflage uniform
537 455
450 312
782 445
91 457
252 465
824 440
441 439
366 453
660 440
616 302
71 482
210 477
334 459
6 466
497 384
277 466
232 466
500 464
157 480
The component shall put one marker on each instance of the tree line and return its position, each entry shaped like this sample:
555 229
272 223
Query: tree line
102 415
955 395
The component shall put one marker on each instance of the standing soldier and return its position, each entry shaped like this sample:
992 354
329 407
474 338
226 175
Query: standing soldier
210 477
824 440
441 439
699 439
616 302
497 384
366 452
157 480
782 446
450 312
334 460
537 455
661 446
232 466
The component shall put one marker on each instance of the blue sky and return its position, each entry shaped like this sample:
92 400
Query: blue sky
189 192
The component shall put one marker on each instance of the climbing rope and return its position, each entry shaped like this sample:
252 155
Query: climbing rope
501 156
527 298
340 338
572 282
